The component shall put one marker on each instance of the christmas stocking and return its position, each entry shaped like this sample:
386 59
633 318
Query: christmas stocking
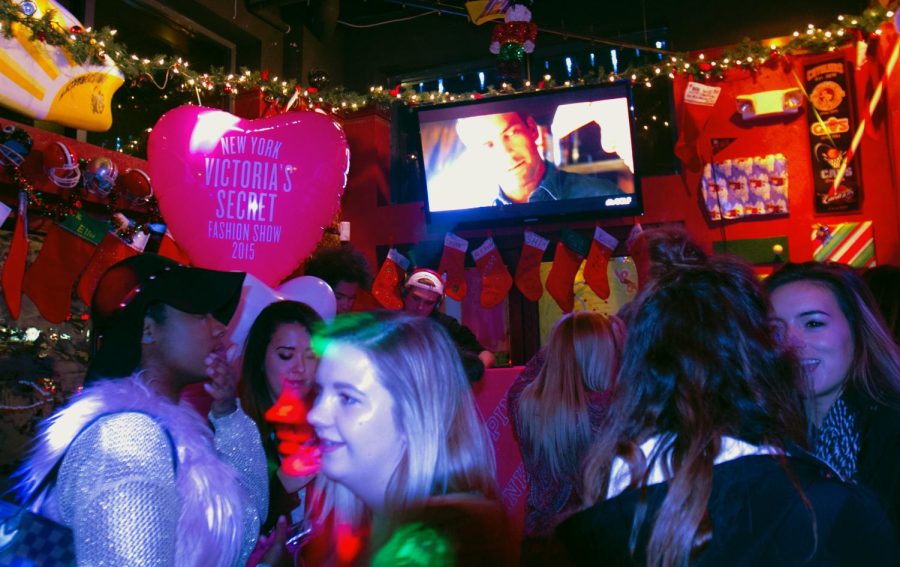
528 270
495 279
14 268
637 249
595 275
67 249
453 263
570 252
386 287
696 109
112 249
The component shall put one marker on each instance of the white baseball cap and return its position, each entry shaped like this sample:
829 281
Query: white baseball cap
429 280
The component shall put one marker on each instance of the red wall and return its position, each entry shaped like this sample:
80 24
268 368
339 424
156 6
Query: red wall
674 198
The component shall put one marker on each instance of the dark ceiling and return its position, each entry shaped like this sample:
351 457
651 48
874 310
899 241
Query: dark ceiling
402 39
691 24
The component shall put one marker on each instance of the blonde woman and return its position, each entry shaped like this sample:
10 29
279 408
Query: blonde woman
556 405
398 428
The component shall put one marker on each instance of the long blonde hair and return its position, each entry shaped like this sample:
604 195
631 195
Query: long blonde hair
447 448
553 410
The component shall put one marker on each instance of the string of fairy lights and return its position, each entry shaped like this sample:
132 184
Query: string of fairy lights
175 73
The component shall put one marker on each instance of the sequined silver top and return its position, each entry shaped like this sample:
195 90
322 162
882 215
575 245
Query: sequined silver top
128 503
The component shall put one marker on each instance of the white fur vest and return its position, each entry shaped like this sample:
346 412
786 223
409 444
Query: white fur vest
218 519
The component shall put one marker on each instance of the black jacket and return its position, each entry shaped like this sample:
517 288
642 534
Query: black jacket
759 518
878 463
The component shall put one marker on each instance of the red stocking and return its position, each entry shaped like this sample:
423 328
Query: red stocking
49 281
453 263
386 287
570 252
495 279
14 268
112 249
528 270
637 249
595 275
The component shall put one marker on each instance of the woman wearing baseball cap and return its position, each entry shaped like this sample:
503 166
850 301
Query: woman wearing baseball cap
140 479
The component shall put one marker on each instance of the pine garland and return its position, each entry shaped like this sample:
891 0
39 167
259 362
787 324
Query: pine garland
175 73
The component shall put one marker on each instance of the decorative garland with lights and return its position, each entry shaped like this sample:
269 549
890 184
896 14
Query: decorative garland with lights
62 207
88 45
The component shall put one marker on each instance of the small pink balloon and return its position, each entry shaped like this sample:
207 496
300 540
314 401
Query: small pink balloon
247 195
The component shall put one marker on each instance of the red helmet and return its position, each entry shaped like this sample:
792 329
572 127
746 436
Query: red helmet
61 165
135 186
100 176
15 144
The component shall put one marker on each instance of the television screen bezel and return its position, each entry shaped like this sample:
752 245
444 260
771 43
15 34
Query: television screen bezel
544 211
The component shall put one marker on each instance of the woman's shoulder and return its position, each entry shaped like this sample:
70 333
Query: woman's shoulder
130 439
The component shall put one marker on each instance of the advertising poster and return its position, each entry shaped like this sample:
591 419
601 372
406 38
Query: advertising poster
831 128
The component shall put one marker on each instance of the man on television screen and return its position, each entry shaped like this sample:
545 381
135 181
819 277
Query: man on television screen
523 175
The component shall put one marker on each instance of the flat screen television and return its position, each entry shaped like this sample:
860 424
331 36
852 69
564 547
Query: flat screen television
535 157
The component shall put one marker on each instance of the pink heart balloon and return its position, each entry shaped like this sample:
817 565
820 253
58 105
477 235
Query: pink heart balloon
247 195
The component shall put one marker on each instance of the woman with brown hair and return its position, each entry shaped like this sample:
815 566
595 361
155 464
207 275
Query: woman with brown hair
698 462
277 355
852 373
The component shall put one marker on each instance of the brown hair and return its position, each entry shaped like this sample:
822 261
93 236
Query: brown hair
875 369
700 362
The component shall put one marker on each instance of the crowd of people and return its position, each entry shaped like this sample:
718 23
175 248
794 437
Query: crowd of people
716 420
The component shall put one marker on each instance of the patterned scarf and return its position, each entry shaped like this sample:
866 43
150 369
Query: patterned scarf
837 442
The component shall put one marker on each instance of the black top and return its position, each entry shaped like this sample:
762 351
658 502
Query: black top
759 518
468 346
878 463
465 530
557 185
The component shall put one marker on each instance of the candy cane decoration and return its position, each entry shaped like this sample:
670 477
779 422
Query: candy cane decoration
876 97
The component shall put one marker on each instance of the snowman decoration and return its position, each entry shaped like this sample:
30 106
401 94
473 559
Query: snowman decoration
513 38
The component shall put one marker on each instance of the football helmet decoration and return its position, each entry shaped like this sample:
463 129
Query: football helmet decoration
61 165
15 145
135 186
100 176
